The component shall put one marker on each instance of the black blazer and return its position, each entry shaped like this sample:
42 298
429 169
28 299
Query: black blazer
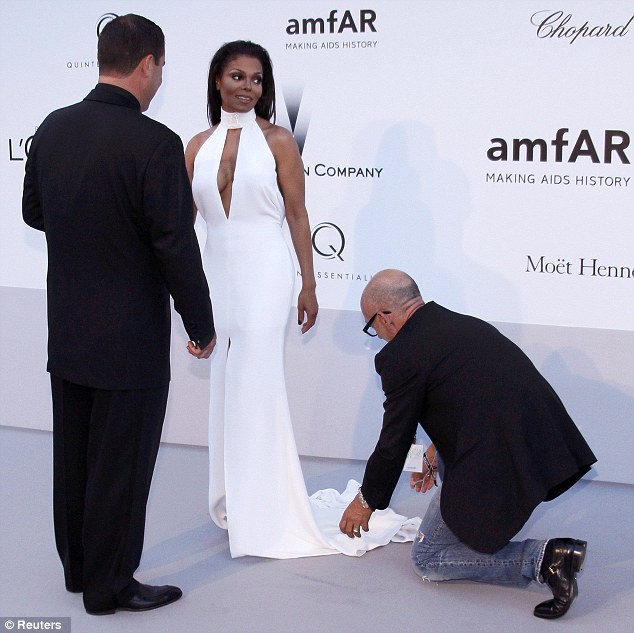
109 188
504 436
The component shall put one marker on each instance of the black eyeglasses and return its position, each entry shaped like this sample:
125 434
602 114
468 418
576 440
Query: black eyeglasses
368 325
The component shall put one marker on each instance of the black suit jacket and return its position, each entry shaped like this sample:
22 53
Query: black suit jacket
504 436
109 188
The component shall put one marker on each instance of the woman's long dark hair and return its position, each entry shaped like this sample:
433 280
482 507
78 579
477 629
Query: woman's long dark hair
265 107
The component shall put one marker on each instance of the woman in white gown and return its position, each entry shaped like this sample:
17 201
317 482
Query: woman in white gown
247 177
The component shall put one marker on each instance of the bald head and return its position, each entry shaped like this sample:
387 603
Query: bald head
389 290
389 300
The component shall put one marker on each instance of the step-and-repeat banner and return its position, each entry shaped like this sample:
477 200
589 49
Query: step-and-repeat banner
485 147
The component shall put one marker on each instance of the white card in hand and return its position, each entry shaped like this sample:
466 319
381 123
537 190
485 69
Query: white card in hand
414 459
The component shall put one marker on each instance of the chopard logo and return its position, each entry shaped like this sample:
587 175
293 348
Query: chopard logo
557 25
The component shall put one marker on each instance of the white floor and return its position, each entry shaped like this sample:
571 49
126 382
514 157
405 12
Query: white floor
374 594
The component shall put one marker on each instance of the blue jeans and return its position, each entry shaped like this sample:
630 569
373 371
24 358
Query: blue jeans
438 555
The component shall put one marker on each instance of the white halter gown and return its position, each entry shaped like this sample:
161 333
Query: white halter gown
256 487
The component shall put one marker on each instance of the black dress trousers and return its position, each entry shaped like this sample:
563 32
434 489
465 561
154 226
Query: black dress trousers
105 444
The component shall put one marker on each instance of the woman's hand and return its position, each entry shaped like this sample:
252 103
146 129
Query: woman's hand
204 352
307 309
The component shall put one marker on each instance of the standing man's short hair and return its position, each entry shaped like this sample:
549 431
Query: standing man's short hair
125 41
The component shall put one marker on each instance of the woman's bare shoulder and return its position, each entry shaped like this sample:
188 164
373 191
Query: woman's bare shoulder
278 137
196 141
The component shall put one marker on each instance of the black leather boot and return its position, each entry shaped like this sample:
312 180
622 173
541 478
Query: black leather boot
563 560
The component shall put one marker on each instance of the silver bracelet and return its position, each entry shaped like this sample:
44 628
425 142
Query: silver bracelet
362 500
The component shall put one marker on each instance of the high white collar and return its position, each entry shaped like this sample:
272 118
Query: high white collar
235 120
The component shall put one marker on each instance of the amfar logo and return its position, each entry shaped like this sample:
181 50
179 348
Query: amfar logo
328 240
103 20
554 24
332 24
615 142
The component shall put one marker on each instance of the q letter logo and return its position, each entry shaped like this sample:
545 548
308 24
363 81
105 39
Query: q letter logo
328 240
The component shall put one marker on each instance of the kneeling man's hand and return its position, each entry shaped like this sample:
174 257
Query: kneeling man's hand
421 482
354 518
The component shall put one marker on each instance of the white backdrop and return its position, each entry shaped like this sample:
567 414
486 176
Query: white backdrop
483 146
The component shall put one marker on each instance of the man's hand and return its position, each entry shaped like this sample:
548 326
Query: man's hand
354 518
205 352
422 482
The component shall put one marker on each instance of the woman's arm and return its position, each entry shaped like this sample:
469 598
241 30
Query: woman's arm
290 176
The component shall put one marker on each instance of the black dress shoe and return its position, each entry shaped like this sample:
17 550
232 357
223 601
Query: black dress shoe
563 560
142 598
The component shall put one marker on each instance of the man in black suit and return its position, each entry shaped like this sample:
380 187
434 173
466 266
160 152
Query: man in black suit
502 440
109 188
